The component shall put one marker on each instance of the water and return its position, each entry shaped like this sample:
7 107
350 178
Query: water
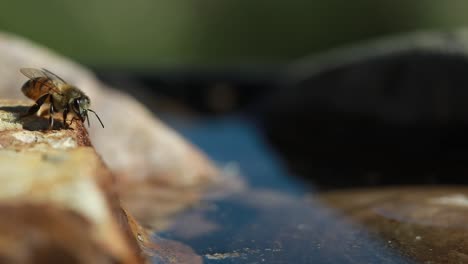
236 139
269 221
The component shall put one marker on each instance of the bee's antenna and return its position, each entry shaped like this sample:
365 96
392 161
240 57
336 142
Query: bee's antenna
87 119
97 118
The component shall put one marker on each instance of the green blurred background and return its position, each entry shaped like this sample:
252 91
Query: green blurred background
151 33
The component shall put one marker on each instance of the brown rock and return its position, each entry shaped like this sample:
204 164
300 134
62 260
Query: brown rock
42 233
57 199
137 147
426 224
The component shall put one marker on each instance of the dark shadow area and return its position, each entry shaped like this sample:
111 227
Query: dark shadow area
38 123
392 119
15 109
32 122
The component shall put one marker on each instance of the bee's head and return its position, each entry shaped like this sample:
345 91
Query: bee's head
80 106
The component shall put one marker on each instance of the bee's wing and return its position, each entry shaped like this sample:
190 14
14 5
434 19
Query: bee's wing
55 80
36 73
32 73
53 76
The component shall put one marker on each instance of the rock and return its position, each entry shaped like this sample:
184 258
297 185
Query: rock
57 198
42 233
59 202
158 250
389 111
426 224
137 147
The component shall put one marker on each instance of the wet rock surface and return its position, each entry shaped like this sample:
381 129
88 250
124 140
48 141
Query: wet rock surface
427 224
263 226
400 225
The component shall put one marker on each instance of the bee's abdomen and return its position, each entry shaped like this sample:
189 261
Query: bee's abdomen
34 88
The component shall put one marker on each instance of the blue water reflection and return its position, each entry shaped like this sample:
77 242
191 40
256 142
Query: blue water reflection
270 221
236 139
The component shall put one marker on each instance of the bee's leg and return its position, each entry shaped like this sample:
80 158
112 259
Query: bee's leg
51 113
65 114
72 120
39 102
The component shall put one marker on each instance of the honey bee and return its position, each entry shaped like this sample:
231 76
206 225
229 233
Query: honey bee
44 86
